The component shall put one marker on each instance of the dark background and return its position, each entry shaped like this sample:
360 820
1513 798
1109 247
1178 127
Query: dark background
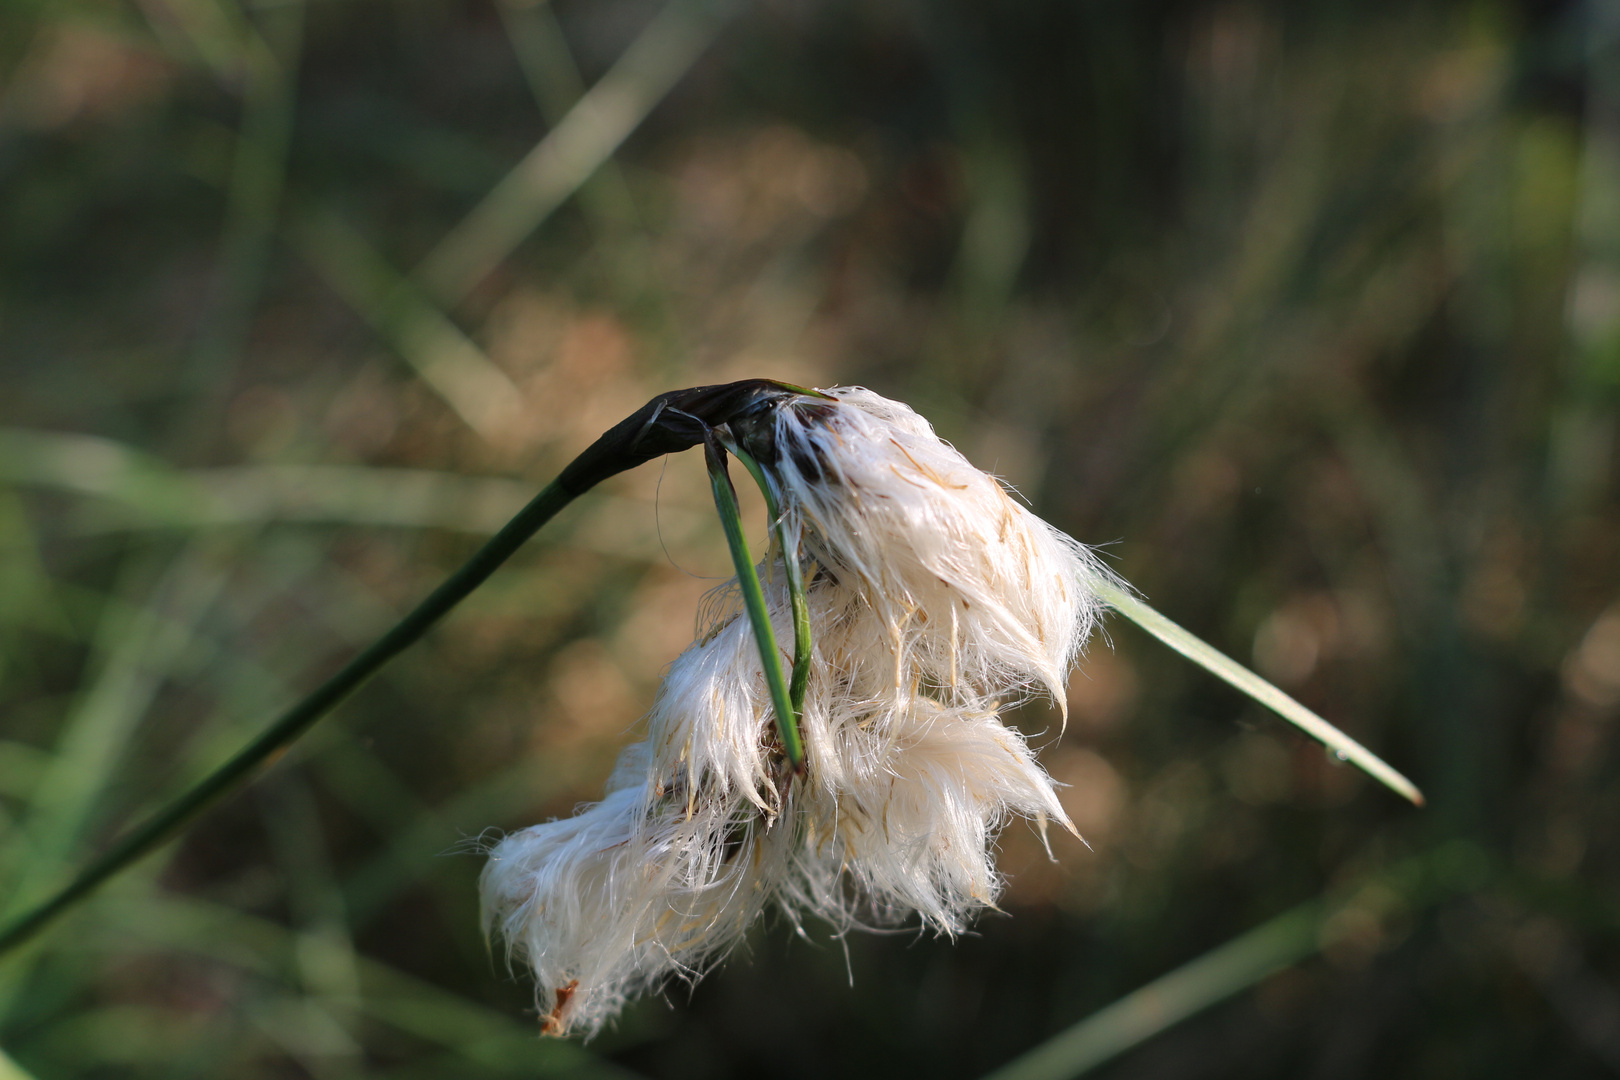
1310 311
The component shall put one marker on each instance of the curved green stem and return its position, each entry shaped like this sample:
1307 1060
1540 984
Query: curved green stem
725 501
667 424
294 722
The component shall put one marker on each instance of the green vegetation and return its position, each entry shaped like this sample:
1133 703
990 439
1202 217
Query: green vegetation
1313 310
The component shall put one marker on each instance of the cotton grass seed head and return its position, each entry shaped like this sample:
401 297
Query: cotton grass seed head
934 600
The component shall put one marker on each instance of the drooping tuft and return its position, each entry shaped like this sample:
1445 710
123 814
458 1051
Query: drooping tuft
935 601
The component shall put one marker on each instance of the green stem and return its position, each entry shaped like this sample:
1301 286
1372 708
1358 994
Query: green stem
725 501
1218 663
795 582
667 424
297 720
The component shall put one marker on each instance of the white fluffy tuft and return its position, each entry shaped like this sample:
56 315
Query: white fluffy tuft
934 599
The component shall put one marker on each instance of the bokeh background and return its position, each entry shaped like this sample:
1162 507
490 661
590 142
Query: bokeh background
1309 311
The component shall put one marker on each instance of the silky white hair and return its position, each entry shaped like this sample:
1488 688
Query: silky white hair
935 600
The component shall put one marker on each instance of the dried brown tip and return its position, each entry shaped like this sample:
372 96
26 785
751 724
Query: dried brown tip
555 1024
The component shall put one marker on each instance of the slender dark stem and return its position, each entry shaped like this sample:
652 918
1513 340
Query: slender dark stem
725 500
293 723
667 424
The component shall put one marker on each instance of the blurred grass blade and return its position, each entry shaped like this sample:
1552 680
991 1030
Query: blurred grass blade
269 81
542 52
157 495
575 148
556 84
21 766
10 1070
725 500
136 647
1142 1014
363 494
211 29
388 995
445 357
1205 655
327 964
144 629
91 465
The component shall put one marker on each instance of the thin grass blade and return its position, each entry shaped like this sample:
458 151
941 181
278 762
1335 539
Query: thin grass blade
269 55
1218 663
94 466
413 1006
10 1070
573 150
446 358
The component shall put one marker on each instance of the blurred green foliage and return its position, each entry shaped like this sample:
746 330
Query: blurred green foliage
1311 310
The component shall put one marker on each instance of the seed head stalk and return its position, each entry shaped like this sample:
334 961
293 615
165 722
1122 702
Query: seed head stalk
667 424
753 594
237 770
789 543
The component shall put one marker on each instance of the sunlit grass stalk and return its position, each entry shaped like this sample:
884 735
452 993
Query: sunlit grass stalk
753 595
1218 663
